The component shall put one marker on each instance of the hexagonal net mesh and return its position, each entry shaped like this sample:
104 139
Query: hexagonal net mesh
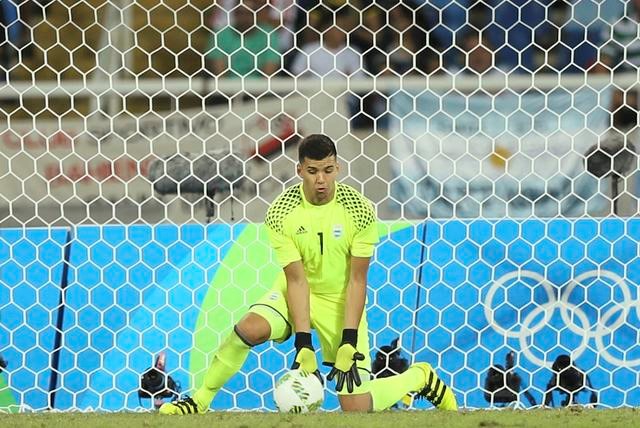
142 143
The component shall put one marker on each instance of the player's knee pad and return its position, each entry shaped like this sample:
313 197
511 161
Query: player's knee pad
280 327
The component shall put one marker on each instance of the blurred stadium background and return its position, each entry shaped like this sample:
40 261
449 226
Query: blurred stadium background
141 143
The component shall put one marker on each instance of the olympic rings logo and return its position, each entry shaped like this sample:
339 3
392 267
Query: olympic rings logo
569 313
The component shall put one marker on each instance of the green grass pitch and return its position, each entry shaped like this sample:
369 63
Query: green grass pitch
565 418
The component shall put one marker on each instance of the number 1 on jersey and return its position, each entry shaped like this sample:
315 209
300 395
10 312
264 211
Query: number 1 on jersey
321 242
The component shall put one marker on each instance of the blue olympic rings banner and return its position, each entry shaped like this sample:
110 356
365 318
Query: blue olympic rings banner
459 294
539 288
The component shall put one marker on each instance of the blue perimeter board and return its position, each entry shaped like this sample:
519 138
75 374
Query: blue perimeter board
134 291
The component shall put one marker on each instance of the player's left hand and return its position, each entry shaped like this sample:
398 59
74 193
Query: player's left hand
305 358
345 368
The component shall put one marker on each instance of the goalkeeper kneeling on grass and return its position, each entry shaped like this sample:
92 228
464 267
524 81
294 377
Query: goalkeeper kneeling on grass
323 233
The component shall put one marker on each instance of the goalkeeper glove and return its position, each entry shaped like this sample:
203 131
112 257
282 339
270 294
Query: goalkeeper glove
305 358
345 368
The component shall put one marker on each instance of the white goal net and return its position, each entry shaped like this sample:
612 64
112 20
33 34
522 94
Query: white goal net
142 142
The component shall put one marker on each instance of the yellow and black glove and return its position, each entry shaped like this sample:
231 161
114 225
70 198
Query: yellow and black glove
345 368
305 358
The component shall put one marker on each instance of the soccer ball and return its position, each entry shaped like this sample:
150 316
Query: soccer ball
298 392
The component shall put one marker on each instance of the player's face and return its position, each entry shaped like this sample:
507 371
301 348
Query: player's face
319 179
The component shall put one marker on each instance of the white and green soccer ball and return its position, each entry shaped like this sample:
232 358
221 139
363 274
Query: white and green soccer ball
298 392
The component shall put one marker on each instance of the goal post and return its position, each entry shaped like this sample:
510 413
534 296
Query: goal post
135 179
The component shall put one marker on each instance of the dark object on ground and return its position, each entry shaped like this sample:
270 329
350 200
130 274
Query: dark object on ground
569 381
503 384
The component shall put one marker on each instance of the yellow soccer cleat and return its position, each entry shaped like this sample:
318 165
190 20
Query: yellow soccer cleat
435 390
186 406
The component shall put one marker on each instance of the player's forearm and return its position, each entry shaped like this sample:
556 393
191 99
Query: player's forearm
355 302
298 300
356 292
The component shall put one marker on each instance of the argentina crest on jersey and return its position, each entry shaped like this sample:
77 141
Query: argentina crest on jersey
337 231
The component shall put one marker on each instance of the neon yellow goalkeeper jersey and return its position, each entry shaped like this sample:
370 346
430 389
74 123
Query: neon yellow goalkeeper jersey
324 237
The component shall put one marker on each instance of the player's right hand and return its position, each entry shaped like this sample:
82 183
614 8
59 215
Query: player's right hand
305 358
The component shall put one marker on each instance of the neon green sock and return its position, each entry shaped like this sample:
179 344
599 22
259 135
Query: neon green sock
387 391
228 360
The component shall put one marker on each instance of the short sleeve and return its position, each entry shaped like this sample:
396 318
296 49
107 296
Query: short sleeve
277 214
363 218
284 247
365 240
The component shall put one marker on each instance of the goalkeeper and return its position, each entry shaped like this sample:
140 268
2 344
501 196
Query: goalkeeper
323 233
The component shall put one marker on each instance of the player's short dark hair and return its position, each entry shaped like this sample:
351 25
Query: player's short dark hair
316 147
